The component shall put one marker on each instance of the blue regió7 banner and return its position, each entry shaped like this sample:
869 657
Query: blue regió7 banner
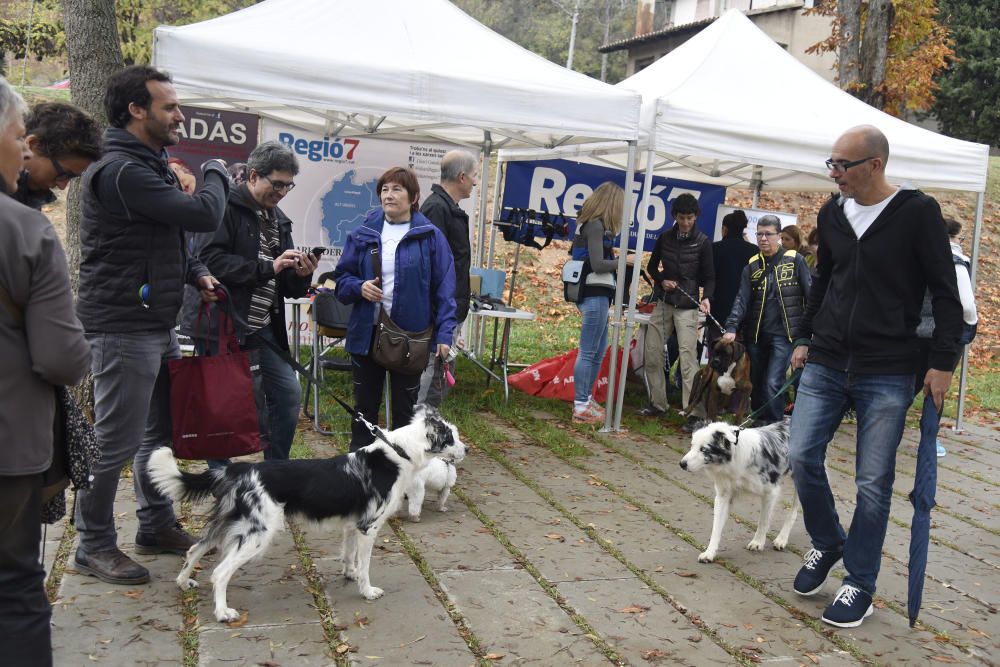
561 186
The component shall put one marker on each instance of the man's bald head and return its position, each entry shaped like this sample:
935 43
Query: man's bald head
874 142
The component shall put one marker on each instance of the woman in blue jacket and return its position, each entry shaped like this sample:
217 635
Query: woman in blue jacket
416 288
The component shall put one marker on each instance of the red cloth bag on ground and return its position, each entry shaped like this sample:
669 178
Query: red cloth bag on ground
553 377
213 408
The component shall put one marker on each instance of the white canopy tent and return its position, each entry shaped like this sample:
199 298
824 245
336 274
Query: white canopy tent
731 107
394 69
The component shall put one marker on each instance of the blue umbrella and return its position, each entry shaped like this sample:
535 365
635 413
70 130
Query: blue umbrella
922 498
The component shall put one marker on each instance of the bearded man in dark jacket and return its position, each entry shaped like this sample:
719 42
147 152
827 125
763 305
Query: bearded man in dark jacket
681 266
880 248
133 268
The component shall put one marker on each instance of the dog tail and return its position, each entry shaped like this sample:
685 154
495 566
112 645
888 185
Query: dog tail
176 484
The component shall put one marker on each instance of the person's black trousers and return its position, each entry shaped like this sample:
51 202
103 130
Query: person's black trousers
369 378
25 635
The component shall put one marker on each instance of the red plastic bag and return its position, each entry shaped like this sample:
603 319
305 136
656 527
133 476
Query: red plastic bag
553 378
213 406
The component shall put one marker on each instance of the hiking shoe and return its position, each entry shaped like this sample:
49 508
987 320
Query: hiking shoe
111 566
849 608
170 540
590 414
650 411
940 449
815 569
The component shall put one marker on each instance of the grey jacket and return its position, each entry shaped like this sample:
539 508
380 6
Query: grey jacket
47 348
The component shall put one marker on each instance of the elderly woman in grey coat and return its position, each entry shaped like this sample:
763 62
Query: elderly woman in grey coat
41 346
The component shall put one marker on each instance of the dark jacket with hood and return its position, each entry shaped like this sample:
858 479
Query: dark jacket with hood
449 217
233 257
35 199
687 261
132 227
864 304
424 292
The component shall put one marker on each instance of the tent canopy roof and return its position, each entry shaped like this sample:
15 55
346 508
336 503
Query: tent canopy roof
730 106
396 67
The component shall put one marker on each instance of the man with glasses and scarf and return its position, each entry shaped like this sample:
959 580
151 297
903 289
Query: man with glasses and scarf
254 257
879 248
772 297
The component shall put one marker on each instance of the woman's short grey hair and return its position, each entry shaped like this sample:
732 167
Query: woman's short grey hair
769 221
12 105
272 156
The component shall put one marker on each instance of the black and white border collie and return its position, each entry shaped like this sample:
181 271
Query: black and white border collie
359 491
755 461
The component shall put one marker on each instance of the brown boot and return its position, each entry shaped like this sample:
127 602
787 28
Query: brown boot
111 566
169 540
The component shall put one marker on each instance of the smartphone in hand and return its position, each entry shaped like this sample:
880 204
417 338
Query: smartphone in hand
318 251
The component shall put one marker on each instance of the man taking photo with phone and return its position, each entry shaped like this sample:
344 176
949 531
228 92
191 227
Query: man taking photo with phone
253 255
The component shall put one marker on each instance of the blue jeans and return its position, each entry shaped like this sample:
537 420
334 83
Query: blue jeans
881 402
769 358
593 343
283 393
132 419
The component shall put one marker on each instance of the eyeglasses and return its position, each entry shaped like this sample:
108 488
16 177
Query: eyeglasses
62 174
280 186
840 166
764 235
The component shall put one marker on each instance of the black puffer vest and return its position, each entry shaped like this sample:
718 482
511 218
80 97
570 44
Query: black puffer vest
121 253
681 261
791 296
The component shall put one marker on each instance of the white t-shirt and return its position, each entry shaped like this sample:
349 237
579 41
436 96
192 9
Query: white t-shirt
968 299
392 234
862 217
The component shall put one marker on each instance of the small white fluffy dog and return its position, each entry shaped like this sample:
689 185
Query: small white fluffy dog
754 461
438 475
359 491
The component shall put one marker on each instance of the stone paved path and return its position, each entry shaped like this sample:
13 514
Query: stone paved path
544 560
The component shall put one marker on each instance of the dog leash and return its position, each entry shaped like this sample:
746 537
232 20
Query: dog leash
698 303
356 415
784 388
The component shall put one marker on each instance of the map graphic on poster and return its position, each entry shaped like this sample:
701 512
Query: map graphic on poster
335 186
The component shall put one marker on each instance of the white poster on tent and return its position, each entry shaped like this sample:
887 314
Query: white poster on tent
753 214
335 186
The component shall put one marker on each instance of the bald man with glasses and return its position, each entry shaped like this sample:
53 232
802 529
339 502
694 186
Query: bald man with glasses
879 248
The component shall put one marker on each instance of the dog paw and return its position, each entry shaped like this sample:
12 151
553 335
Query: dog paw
706 557
187 584
442 508
349 574
226 615
755 545
373 593
779 545
415 518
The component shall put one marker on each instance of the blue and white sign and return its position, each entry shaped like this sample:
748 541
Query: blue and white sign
561 186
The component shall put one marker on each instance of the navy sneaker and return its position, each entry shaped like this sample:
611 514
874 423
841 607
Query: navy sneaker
851 606
815 569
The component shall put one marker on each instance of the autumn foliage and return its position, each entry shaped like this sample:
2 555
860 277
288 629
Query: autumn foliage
919 48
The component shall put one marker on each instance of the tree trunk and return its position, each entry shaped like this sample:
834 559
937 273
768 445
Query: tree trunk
849 57
94 55
875 51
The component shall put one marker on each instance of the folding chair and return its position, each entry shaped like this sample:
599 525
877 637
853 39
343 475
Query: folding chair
330 318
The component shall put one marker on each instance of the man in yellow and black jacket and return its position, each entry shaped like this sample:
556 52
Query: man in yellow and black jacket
774 288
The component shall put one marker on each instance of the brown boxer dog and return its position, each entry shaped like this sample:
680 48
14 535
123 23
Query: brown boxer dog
728 370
